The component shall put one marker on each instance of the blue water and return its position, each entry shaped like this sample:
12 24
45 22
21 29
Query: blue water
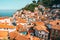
8 13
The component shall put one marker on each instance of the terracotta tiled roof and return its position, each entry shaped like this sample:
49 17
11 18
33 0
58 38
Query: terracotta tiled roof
57 27
33 37
17 36
13 34
21 20
3 34
6 26
36 38
21 28
21 37
40 28
39 23
1 18
54 22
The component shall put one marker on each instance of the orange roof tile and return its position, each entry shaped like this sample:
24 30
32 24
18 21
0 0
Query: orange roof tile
21 20
54 22
36 38
21 37
38 28
2 18
13 34
33 37
41 27
3 34
21 28
6 26
57 27
39 23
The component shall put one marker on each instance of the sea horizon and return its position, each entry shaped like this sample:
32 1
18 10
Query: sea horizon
7 13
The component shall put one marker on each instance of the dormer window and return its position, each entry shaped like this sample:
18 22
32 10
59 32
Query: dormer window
57 23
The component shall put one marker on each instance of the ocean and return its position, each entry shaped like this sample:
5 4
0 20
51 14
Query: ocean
8 13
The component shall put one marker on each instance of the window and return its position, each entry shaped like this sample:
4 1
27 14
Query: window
56 32
46 36
42 32
39 32
53 32
32 34
57 23
9 38
40 35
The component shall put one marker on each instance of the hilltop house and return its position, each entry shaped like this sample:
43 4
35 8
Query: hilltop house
55 30
6 25
41 32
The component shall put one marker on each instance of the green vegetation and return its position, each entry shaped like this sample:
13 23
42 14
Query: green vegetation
31 6
46 3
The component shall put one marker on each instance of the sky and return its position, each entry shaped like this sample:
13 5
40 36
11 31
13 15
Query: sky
13 4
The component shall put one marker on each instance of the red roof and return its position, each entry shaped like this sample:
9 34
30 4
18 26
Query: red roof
3 34
6 26
21 37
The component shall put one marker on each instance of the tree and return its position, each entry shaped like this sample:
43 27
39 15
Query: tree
38 2
56 1
47 3
31 6
34 1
